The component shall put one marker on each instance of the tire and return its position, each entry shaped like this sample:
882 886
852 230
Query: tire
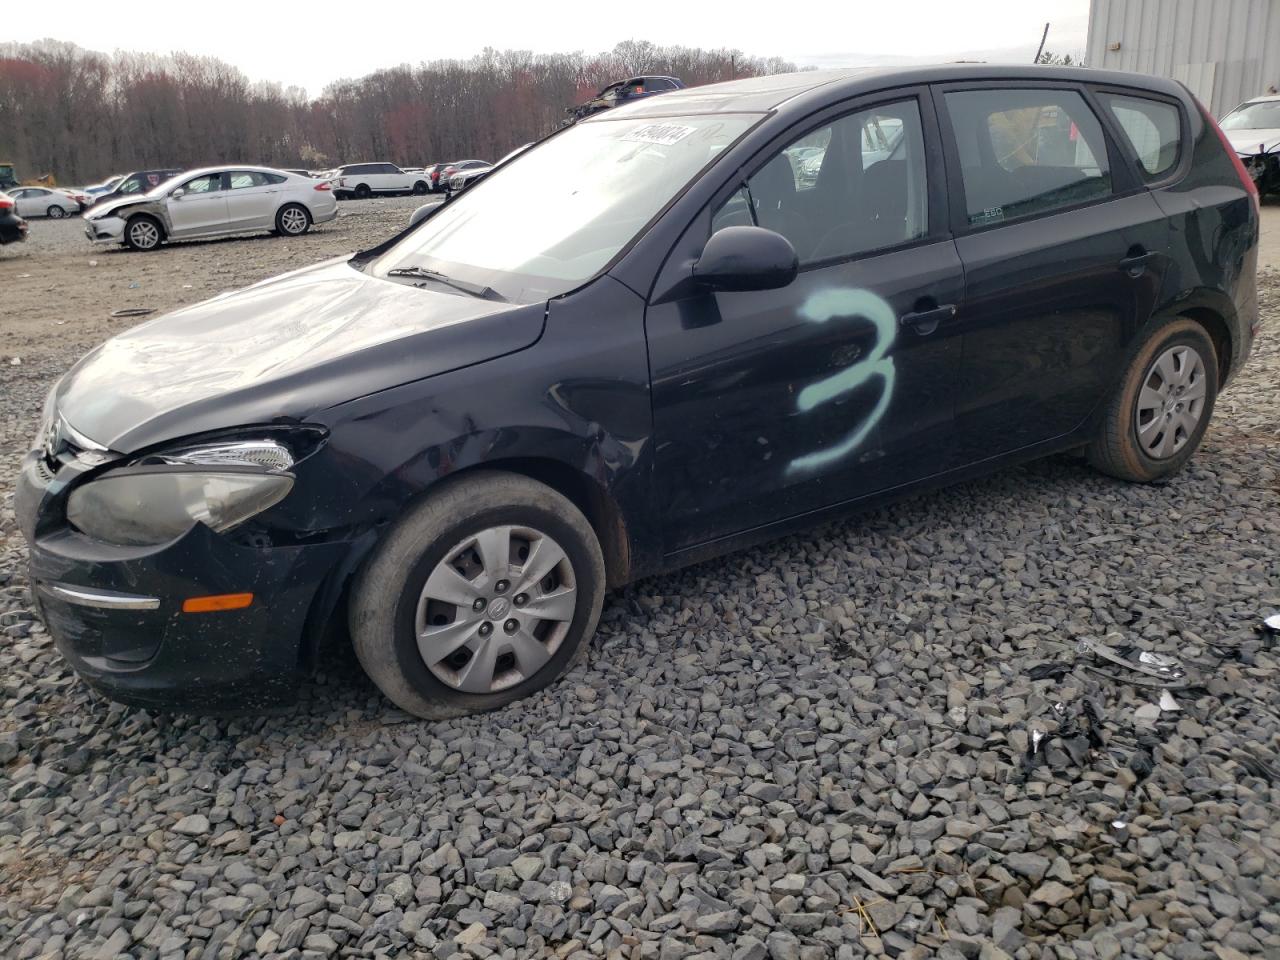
363 192
293 220
393 598
1149 434
419 188
55 212
143 232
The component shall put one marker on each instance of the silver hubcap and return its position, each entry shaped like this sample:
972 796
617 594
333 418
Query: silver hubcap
1171 402
144 234
57 213
496 609
293 220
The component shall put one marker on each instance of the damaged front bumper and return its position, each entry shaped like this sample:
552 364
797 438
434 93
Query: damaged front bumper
117 613
1264 168
105 230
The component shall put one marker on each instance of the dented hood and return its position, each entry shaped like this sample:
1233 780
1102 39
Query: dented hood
280 351
1247 141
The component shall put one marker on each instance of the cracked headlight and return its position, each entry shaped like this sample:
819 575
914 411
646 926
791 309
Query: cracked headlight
162 496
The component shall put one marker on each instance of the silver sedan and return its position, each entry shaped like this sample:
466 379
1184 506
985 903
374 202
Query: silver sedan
213 202
44 202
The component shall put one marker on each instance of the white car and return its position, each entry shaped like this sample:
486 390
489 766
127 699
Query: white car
212 202
362 180
43 202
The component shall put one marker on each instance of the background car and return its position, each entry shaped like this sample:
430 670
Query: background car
138 182
444 173
625 91
467 175
96 191
362 180
1253 130
214 201
44 202
12 227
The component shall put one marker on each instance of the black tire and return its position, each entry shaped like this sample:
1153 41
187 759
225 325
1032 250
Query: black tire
385 597
55 212
288 221
420 188
137 237
363 192
1117 449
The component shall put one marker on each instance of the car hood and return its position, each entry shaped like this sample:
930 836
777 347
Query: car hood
1247 141
104 207
280 351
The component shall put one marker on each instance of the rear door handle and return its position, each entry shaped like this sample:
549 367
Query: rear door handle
924 322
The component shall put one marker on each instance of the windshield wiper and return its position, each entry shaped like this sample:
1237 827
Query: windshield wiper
475 289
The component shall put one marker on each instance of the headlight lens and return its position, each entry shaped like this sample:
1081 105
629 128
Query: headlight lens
139 506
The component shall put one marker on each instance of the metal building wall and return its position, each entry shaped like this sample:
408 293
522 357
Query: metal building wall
1226 51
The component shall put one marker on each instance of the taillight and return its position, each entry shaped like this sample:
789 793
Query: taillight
1245 179
6 204
323 186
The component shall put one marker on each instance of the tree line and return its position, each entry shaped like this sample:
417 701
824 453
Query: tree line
82 115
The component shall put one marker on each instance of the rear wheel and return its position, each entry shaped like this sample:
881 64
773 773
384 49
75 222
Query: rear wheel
485 593
143 232
1158 415
55 212
293 220
363 192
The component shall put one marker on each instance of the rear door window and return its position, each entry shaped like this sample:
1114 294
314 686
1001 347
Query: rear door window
1026 152
241 179
1153 129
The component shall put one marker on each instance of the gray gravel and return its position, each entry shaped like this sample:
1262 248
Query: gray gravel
756 746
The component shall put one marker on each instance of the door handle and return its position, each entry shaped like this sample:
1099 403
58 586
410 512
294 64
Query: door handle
1136 262
924 322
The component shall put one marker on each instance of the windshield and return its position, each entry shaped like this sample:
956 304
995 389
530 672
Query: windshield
1254 116
553 217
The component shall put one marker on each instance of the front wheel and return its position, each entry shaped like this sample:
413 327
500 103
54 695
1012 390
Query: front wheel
143 233
486 592
55 212
420 188
1159 413
293 220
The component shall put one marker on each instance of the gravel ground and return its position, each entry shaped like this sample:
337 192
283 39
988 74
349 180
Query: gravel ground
756 747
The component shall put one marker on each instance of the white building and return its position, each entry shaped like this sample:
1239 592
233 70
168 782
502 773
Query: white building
1225 51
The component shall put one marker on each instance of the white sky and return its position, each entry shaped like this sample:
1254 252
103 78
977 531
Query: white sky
308 45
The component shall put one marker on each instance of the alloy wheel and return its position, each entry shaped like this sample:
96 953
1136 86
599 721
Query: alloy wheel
144 234
1171 402
494 611
293 220
57 213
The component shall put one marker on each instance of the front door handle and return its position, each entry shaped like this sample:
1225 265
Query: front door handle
1136 262
924 322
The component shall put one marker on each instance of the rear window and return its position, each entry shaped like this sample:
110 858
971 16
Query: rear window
1152 128
1026 152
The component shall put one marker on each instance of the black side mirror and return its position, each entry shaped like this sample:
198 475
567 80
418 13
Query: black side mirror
746 258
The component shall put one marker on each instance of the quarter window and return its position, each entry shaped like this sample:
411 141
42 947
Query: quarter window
1152 128
1027 152
848 188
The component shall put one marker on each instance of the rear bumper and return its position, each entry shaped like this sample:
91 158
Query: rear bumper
12 229
318 216
115 613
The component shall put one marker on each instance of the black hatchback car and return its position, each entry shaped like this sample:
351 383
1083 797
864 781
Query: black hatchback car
646 340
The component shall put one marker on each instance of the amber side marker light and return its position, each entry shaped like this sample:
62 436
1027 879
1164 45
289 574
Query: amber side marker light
220 601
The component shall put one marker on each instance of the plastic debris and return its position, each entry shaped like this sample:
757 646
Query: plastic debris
1167 703
133 312
1049 670
1145 668
135 285
1031 759
24 276
1270 629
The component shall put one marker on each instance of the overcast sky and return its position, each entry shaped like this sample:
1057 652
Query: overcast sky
309 45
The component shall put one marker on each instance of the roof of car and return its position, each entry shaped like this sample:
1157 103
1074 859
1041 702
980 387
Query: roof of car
763 94
1270 98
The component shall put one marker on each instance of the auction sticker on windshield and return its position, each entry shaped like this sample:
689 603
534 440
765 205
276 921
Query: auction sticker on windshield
663 134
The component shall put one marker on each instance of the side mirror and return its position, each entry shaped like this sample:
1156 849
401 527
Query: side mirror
746 258
421 213
178 194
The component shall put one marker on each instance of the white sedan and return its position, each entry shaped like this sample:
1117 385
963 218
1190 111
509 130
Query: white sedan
213 202
43 202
